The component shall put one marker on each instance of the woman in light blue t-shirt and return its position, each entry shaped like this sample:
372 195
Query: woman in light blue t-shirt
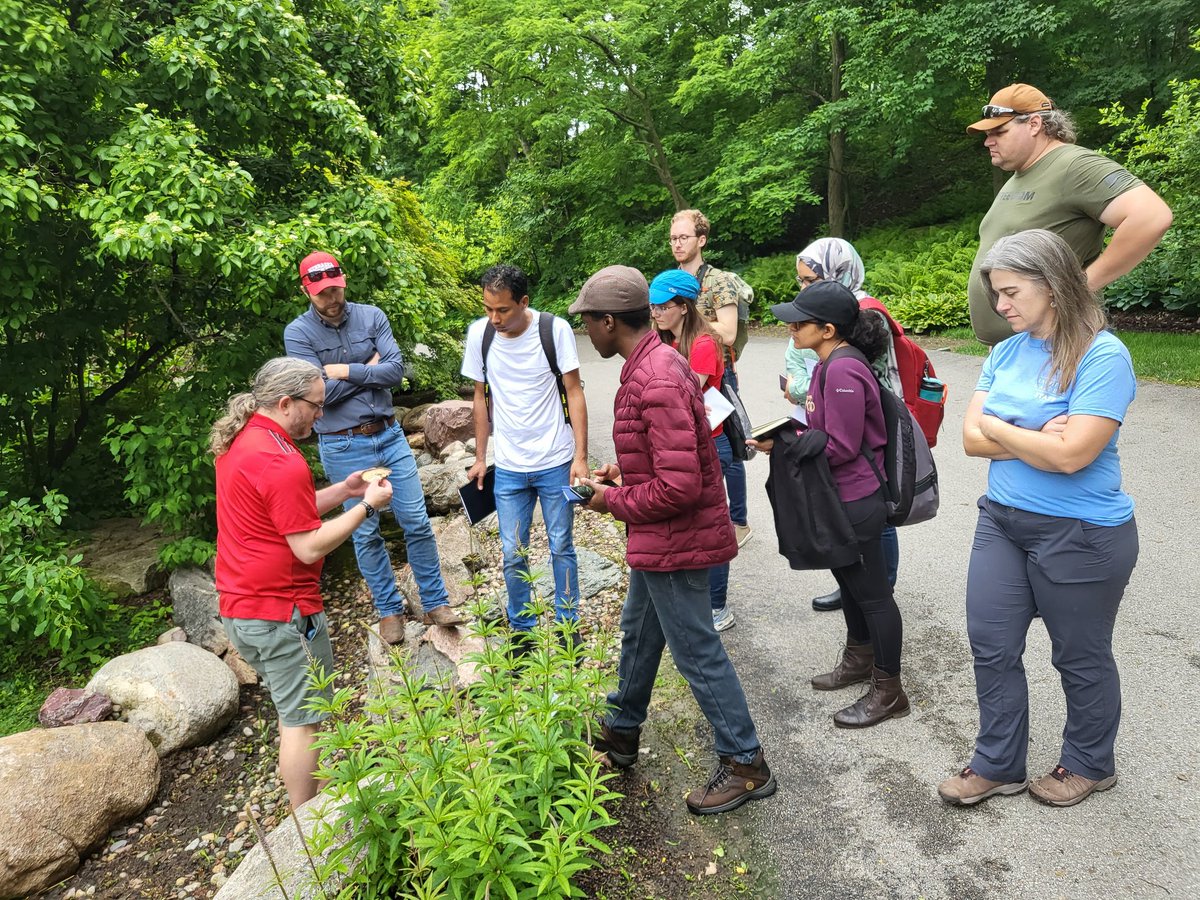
1056 536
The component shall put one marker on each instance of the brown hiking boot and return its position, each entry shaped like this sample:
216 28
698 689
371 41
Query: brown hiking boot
443 615
391 629
968 787
884 700
620 745
1063 787
732 784
854 666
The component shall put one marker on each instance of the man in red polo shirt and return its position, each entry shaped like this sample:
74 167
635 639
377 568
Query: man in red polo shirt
271 543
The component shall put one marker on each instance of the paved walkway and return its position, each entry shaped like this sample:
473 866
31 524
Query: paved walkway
857 813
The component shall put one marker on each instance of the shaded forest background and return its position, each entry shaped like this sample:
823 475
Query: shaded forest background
163 166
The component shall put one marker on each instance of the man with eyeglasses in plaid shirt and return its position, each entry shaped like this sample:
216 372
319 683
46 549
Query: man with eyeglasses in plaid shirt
353 346
1064 188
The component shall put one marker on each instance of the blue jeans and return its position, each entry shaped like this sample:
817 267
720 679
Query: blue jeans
669 609
516 493
718 576
342 454
734 470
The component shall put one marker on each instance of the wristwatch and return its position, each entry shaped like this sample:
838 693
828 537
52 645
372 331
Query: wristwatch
369 508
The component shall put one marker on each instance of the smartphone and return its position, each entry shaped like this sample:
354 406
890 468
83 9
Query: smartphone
572 496
783 382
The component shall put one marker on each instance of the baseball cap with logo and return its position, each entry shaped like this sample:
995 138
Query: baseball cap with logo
614 289
321 270
673 283
1007 103
825 301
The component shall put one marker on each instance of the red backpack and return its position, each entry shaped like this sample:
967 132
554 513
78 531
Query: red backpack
924 394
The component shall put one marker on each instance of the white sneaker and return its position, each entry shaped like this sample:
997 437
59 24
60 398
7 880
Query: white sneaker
743 533
723 618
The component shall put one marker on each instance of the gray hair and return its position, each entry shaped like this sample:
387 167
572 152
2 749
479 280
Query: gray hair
283 376
1056 124
1045 258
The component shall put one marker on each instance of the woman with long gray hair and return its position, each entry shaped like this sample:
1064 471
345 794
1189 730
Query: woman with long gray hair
1056 536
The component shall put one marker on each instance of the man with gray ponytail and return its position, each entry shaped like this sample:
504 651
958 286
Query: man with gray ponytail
271 543
1061 187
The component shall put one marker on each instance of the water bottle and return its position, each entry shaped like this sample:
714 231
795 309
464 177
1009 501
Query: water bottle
932 390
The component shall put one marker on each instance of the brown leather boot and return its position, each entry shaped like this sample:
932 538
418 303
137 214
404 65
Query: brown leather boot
391 629
854 666
732 784
443 615
884 700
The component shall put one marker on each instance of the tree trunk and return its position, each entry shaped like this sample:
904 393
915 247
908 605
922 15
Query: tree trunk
835 195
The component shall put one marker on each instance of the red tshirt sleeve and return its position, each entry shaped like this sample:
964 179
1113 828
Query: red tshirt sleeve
287 491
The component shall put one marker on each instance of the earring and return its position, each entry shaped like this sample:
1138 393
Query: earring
1053 304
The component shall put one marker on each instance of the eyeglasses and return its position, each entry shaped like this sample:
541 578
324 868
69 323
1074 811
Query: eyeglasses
805 280
682 238
321 275
796 326
319 406
992 112
657 309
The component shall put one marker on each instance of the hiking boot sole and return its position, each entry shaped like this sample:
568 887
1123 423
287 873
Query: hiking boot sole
1012 787
757 794
1102 785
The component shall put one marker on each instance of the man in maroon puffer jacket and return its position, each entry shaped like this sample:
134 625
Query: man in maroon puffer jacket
672 498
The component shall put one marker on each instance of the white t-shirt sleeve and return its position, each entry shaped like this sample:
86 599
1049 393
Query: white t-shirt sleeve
564 346
472 365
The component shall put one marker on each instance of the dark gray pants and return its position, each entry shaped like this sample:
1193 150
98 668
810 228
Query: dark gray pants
1073 575
671 609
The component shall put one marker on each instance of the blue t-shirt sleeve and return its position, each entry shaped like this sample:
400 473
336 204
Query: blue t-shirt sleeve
988 372
1104 382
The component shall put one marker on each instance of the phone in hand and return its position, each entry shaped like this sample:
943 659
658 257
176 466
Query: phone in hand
783 382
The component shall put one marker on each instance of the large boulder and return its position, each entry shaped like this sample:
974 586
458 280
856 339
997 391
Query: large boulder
440 654
64 789
596 574
195 608
447 422
282 867
122 556
178 694
459 558
414 419
440 484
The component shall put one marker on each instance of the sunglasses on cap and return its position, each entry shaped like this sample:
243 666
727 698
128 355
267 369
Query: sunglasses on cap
994 112
322 274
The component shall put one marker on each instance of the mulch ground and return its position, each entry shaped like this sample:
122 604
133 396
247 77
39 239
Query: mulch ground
191 838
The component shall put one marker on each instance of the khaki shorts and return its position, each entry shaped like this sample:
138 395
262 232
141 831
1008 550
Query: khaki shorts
281 653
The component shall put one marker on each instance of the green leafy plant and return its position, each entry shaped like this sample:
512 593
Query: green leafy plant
44 593
490 791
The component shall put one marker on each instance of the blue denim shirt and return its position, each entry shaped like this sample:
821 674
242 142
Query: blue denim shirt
364 331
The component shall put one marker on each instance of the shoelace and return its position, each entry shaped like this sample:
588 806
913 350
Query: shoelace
1061 774
720 775
967 772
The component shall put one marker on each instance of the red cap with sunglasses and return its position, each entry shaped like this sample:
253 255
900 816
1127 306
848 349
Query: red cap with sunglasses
319 271
1010 102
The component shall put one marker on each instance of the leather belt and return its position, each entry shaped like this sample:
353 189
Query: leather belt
365 429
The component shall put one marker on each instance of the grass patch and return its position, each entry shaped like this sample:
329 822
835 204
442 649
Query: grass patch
1157 356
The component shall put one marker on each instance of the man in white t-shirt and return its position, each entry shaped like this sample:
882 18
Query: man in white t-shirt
521 403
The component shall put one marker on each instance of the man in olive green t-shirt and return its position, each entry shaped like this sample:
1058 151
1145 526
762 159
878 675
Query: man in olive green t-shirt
1056 185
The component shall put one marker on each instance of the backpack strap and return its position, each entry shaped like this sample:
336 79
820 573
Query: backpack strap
864 450
546 335
489 334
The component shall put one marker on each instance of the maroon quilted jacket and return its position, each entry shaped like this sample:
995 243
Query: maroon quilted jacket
672 495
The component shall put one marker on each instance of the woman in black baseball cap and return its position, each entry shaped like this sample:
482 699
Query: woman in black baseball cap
844 402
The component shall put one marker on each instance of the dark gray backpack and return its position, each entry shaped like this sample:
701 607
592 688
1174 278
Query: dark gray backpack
909 476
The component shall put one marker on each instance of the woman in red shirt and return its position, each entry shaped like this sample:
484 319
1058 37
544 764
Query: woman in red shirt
673 296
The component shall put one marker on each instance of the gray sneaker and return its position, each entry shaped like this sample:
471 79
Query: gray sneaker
723 618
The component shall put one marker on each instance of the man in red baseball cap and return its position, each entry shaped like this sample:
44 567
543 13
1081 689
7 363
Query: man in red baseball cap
1062 187
353 346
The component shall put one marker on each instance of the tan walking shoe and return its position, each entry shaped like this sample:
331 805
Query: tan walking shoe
1063 787
743 534
443 615
968 787
391 629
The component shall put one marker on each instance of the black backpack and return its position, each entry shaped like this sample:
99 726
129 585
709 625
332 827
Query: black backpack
546 333
911 482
